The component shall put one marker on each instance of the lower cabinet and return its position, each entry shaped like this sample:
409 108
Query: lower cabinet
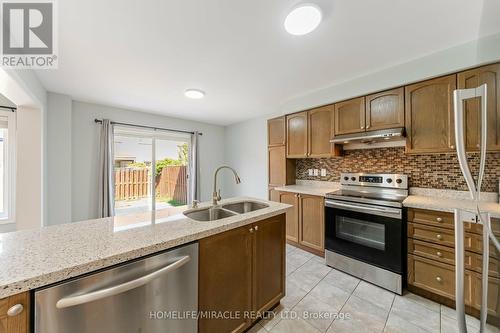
242 271
14 314
305 223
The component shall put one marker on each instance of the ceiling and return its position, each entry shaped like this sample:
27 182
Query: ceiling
142 55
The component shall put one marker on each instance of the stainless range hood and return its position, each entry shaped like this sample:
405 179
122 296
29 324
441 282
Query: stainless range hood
371 136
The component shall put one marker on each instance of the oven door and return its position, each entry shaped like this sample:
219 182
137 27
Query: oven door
372 234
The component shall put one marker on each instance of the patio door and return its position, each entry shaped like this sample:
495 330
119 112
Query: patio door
151 172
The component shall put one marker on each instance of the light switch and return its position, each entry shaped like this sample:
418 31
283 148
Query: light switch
323 172
310 172
316 172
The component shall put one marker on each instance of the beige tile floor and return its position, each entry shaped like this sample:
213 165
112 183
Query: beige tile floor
315 292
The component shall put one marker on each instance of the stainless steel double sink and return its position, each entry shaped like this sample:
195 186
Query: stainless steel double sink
227 210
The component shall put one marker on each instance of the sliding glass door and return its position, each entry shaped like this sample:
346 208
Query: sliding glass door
151 172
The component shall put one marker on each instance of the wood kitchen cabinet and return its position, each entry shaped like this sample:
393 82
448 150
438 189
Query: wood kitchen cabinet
241 270
276 131
385 110
296 135
12 322
292 215
474 78
305 223
349 116
312 222
429 115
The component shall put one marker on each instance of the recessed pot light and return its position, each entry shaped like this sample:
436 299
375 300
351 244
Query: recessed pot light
194 93
303 19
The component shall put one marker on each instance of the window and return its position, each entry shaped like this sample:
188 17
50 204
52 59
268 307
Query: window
7 166
151 172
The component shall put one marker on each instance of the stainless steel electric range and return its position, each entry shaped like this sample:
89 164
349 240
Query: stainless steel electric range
365 228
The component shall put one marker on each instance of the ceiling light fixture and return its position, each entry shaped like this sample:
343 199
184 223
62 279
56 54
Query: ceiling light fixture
194 93
303 19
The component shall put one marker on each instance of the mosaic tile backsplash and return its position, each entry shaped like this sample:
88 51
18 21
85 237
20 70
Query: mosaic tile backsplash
440 171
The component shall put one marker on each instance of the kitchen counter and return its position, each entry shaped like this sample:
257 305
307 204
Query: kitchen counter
318 188
448 201
33 258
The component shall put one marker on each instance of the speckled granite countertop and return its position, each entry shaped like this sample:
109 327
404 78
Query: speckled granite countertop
35 258
319 188
448 200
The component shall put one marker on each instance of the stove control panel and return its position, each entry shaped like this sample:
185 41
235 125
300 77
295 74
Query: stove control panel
377 180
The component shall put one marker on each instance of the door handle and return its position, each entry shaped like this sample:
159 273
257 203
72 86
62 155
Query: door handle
70 301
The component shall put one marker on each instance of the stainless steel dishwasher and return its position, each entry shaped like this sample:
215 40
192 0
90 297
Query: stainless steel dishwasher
155 294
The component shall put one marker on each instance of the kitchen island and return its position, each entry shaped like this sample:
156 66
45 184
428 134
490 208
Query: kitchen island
32 259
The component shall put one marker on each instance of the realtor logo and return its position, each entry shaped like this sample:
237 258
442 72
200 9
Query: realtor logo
28 34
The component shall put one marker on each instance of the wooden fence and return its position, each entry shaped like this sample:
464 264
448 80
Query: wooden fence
134 183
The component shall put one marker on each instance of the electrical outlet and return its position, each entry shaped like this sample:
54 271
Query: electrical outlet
310 172
316 172
323 172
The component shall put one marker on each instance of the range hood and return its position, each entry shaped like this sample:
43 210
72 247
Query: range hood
371 136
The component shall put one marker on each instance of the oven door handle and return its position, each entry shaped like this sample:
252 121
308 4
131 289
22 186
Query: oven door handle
389 212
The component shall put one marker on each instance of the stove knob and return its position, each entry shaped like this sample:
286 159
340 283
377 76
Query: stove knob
389 180
399 181
353 179
346 178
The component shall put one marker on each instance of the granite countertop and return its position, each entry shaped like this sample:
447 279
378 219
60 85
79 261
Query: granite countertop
33 258
319 188
448 201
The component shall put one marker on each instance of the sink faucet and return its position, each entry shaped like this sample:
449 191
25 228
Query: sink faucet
216 194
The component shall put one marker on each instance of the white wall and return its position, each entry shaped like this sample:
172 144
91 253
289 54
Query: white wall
85 135
246 151
58 158
29 169
246 141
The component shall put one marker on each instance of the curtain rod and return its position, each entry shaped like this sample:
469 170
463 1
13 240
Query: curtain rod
11 108
99 121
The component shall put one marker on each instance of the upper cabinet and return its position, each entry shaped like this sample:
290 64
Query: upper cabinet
296 135
350 116
429 115
309 133
385 110
276 131
474 78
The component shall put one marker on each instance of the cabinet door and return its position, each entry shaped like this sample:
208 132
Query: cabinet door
18 323
292 221
296 131
474 78
350 116
429 116
269 262
276 131
320 132
493 294
225 279
277 165
311 222
385 110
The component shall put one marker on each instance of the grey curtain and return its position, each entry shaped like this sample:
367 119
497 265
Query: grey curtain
106 181
193 193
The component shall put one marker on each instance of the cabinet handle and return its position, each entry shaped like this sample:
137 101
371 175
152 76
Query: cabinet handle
478 145
452 146
439 254
251 230
15 310
439 279
367 126
256 228
362 127
438 236
439 219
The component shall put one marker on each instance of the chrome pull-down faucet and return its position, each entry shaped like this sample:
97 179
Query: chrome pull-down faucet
216 193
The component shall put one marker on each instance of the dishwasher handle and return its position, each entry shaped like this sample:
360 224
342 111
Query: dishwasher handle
70 301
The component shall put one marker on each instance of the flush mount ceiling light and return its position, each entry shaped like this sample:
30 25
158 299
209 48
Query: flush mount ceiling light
194 93
303 19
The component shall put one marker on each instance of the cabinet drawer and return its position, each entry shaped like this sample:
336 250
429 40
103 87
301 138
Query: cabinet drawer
3 307
446 255
442 236
436 277
431 217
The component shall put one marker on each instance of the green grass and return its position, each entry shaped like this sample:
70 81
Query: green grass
170 201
